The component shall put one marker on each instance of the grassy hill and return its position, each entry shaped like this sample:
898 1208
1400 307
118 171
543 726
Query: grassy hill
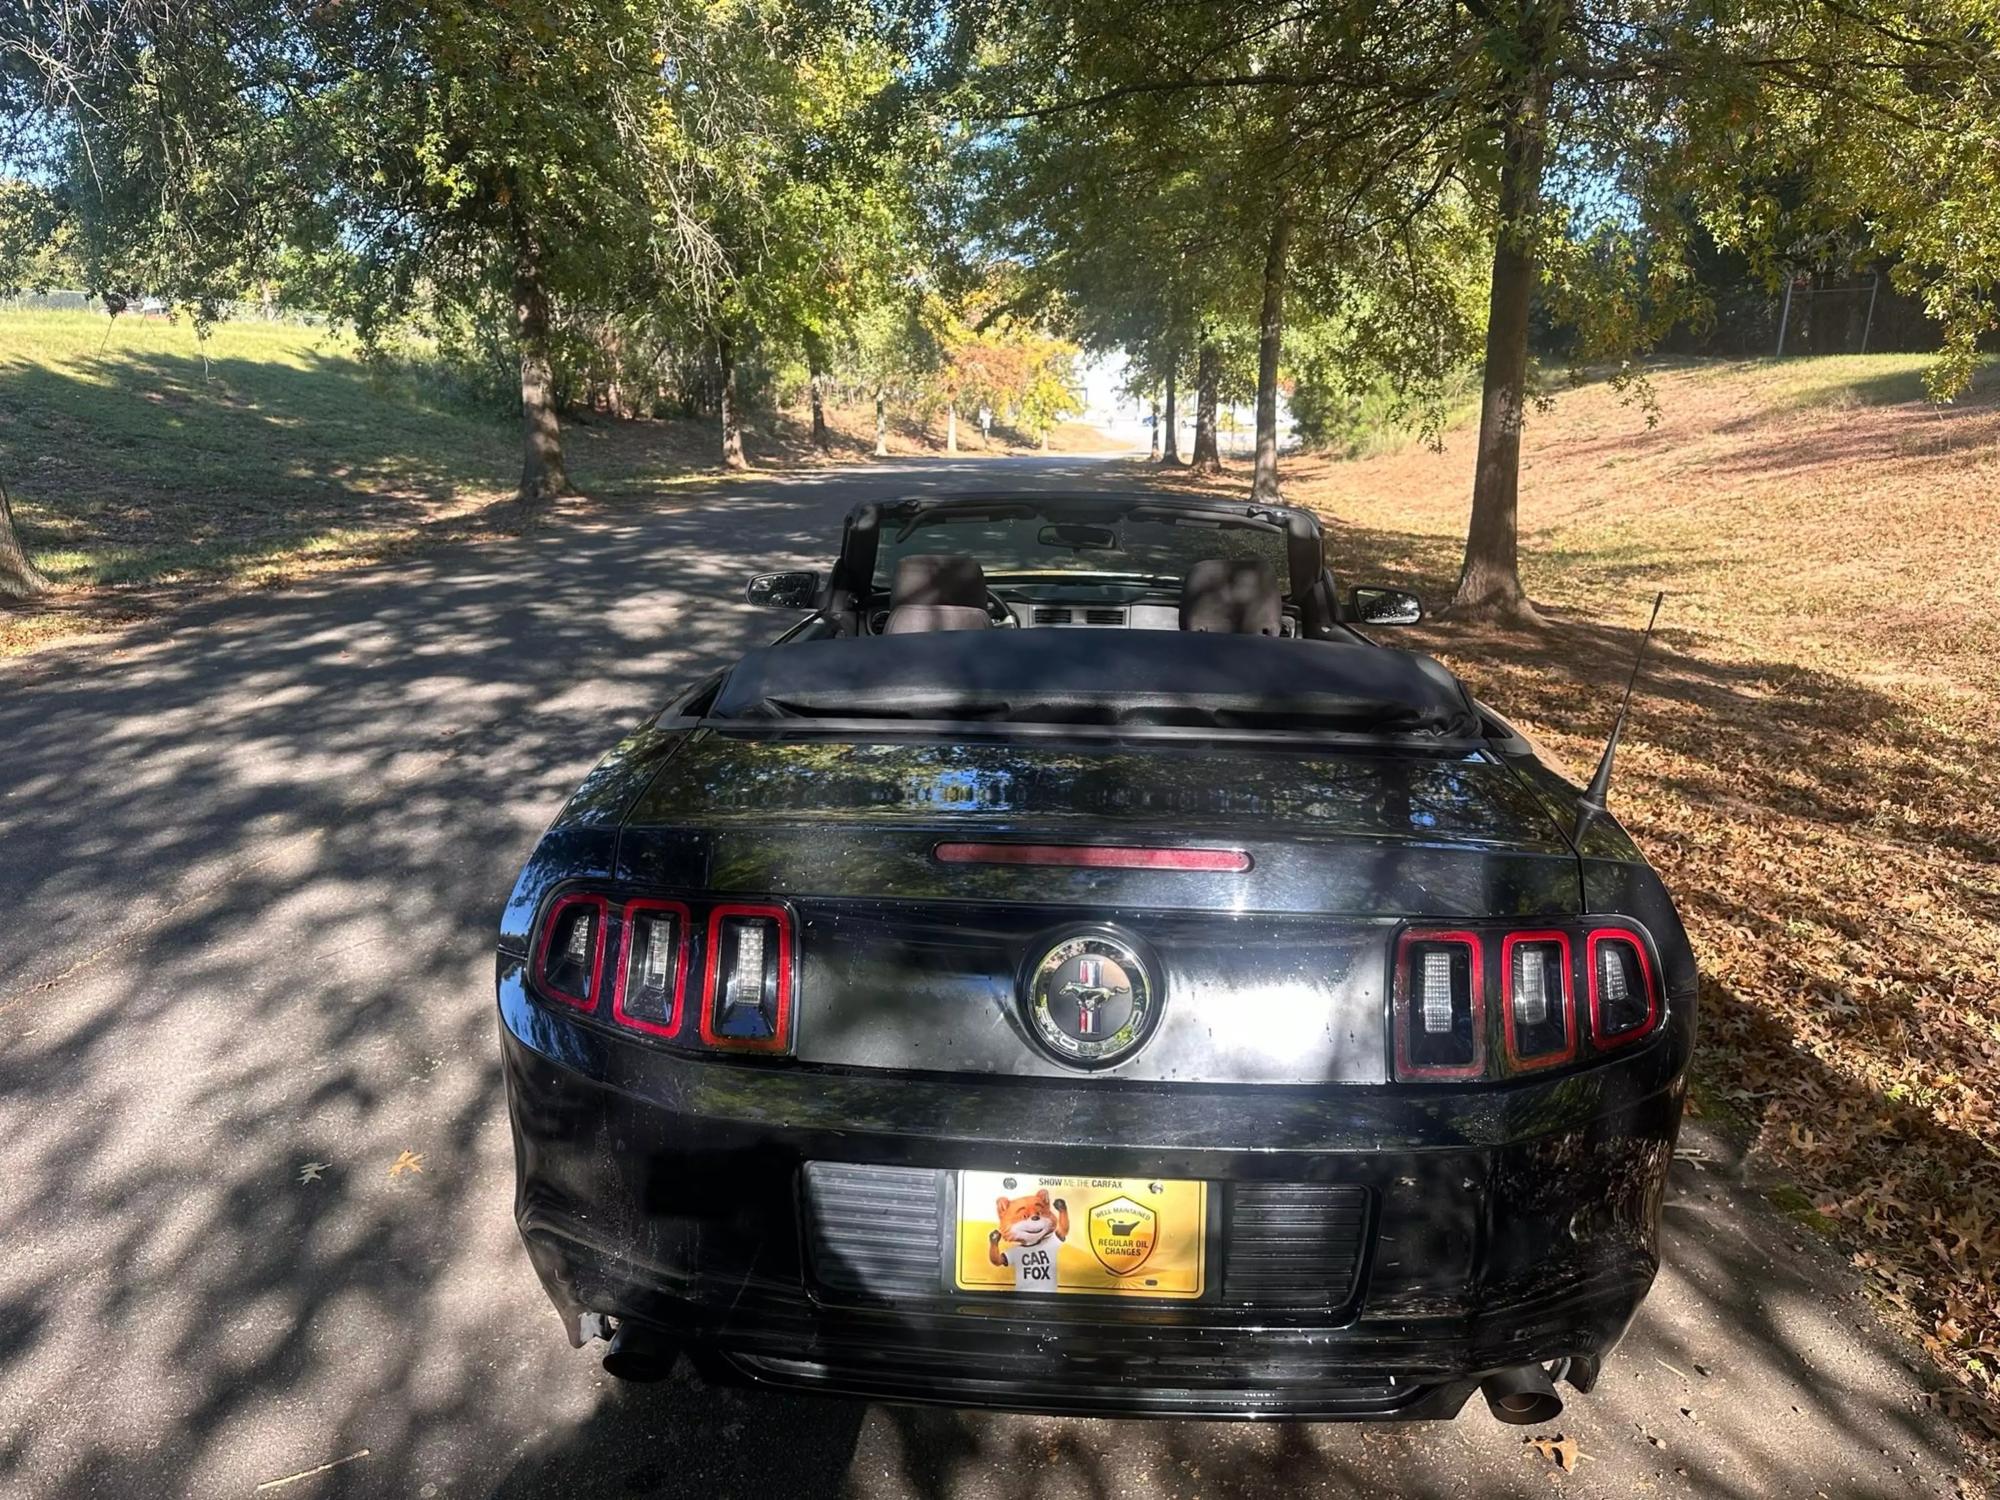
142 460
147 465
1810 760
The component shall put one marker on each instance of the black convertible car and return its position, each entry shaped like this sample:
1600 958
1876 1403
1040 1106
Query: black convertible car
1076 969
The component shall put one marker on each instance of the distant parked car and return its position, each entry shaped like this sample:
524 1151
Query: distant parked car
1076 969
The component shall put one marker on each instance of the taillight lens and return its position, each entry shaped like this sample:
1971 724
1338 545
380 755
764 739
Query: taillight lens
1441 1026
570 961
1624 1002
746 1002
1537 1016
1440 1006
652 967
648 955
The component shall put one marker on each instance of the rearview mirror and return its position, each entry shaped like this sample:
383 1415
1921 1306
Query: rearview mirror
783 590
1078 537
1370 605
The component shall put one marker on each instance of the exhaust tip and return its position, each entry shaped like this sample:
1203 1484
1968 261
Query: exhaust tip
1522 1397
638 1355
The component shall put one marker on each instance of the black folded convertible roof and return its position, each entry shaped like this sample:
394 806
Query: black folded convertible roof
1135 678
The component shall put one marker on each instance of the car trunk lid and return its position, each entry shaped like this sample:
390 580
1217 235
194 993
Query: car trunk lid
1272 974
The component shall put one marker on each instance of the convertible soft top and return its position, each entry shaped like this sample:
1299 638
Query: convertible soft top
1136 677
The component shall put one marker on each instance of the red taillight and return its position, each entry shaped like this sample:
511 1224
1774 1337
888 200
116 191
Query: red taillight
1442 1031
1440 1005
1537 1009
746 992
569 963
650 985
1624 996
744 953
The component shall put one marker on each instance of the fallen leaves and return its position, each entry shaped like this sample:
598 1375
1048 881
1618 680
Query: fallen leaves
1561 1451
313 1171
409 1161
1808 765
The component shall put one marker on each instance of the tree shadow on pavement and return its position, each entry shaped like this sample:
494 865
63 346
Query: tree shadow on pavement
258 1186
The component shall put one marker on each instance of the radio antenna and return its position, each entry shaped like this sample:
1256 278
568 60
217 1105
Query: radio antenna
1591 804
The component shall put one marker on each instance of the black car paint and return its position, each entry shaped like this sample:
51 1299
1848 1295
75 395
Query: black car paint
1508 1222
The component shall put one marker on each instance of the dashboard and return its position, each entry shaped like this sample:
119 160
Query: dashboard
1090 610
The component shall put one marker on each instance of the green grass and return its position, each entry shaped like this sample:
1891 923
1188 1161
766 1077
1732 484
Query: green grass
138 453
1849 380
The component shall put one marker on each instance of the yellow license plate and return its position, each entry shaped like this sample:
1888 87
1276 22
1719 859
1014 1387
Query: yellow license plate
1129 1236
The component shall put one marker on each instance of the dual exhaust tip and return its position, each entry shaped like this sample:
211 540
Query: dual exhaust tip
1523 1396
638 1355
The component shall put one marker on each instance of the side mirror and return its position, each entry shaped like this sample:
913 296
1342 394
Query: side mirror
783 590
1368 605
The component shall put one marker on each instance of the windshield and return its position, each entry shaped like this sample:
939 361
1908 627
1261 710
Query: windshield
1034 544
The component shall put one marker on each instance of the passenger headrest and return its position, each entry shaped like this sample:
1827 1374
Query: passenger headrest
1231 596
934 578
915 619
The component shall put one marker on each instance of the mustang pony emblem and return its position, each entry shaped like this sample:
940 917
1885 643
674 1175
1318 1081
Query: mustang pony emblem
1090 991
1091 997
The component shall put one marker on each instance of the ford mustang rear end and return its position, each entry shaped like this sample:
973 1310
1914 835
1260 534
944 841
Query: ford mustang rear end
1159 1021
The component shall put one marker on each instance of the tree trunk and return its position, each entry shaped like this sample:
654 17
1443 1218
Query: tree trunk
19 577
614 386
732 417
542 476
1207 388
951 427
1489 584
1270 339
1171 454
881 425
816 370
1156 424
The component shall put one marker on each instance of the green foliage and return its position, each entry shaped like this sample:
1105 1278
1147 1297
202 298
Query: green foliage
1879 142
869 188
1140 160
38 240
1024 376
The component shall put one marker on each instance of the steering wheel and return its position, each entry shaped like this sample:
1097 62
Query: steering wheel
996 610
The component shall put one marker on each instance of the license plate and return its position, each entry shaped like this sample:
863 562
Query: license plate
1119 1236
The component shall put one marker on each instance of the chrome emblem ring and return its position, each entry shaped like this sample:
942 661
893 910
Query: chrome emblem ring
1091 998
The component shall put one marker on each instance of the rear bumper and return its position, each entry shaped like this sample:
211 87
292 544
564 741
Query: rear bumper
1503 1226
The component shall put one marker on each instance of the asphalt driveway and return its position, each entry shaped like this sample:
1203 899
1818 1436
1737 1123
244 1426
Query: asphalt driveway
255 1232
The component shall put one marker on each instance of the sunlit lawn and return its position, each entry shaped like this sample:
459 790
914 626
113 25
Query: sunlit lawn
139 453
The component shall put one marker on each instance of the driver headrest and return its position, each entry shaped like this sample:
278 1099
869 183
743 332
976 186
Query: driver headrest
935 578
1231 596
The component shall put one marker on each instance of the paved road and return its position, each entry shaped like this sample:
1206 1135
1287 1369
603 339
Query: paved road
249 871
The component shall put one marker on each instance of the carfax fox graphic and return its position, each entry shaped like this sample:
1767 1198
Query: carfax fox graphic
1031 1233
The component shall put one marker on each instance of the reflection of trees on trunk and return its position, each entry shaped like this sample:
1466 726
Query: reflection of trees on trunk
852 781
